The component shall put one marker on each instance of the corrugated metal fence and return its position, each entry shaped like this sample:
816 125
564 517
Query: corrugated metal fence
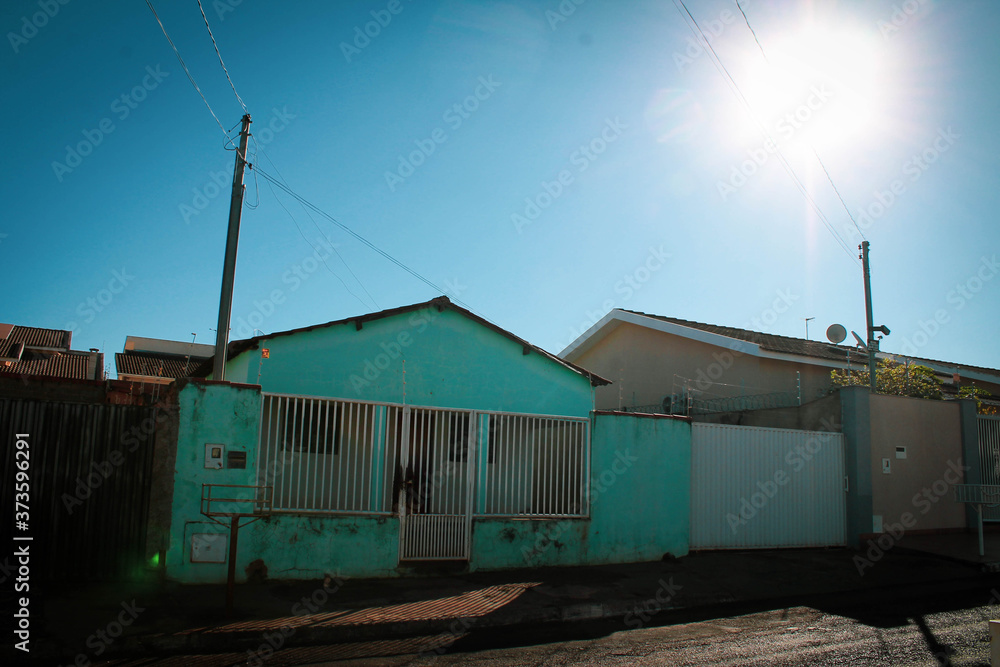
757 487
88 476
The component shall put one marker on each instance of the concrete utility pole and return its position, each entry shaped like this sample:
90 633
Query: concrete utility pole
229 269
872 344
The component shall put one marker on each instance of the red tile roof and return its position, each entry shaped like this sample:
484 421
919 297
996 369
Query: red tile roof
155 365
73 366
39 337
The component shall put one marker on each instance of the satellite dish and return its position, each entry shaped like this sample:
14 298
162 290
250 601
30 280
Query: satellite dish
836 333
861 342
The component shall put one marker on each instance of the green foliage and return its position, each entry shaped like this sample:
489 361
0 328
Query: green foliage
975 393
892 377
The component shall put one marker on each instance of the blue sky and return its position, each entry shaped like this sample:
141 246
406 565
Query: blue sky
543 162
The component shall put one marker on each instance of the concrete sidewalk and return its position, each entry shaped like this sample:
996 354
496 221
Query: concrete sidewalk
299 622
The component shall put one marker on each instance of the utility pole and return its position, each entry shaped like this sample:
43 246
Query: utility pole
871 343
229 269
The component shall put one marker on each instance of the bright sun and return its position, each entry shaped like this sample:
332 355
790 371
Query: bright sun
819 89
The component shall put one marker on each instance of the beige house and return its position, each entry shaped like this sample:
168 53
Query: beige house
673 365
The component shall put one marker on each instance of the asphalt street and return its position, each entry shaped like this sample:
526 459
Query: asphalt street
943 629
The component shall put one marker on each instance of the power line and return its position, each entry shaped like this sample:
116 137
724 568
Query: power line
815 152
747 21
231 85
734 87
188 72
316 225
834 186
302 234
368 243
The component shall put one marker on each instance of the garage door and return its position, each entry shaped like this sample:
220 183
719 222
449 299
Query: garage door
758 488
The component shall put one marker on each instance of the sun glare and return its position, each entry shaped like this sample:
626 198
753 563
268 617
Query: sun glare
819 89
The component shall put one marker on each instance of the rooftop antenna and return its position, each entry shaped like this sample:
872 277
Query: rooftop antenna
807 325
187 360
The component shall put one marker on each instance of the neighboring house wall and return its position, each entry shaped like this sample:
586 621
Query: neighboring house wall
640 468
921 483
450 361
645 365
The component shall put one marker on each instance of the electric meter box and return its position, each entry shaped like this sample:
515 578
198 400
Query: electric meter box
214 454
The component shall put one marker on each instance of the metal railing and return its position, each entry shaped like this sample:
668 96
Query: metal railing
534 466
334 456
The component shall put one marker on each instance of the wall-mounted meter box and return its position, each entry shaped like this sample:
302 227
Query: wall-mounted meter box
208 548
214 454
236 459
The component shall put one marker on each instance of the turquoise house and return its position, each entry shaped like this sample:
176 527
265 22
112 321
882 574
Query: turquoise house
367 446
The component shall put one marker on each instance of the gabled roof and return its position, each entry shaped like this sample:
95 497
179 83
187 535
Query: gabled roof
156 365
772 342
758 343
37 337
71 365
441 303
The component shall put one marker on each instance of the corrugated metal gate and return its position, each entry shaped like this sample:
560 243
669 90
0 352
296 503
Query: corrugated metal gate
989 456
757 487
88 477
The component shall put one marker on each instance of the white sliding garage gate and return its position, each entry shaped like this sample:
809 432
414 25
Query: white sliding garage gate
759 488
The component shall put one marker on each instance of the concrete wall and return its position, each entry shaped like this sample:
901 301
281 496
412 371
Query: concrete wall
640 503
640 492
450 361
823 414
931 433
642 363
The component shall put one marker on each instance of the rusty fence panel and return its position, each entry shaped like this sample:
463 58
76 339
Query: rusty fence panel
89 473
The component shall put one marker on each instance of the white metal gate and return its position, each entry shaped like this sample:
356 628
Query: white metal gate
757 487
989 458
433 468
437 458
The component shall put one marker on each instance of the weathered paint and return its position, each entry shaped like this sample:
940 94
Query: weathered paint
451 361
292 546
639 505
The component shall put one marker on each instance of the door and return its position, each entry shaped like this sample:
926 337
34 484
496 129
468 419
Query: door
435 483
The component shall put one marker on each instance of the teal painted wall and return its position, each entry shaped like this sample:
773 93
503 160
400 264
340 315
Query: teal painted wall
451 361
292 546
640 503
640 490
